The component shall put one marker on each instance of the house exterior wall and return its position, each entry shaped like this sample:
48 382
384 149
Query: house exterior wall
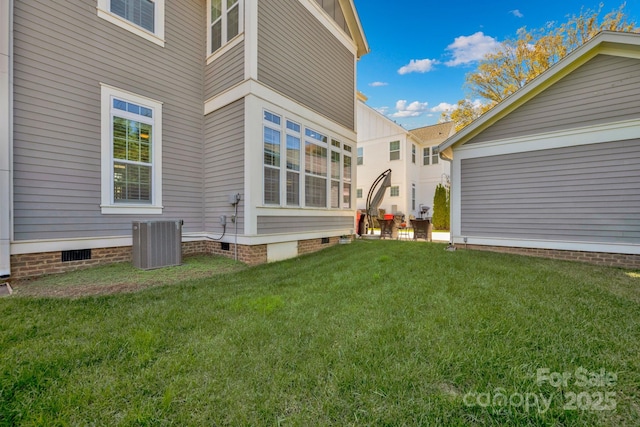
57 145
225 71
224 153
301 59
606 89
212 137
587 193
573 190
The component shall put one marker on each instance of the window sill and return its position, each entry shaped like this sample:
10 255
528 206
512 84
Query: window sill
131 210
123 23
224 49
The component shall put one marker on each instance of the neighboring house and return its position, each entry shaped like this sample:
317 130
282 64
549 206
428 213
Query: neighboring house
116 111
555 168
412 156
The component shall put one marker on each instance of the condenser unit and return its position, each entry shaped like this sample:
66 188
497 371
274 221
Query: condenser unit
157 244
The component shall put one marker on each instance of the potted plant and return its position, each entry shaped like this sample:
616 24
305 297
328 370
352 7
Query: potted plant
344 239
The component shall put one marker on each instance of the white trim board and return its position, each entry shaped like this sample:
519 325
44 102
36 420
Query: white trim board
617 248
616 131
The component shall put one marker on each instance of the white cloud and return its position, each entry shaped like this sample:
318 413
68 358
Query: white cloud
443 106
414 109
382 110
418 66
516 13
378 84
467 49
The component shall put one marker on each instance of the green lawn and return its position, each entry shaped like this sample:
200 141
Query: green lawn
371 333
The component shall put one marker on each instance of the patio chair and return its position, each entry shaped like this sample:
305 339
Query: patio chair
386 228
421 229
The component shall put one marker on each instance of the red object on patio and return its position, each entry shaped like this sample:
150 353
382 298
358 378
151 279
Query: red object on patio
388 216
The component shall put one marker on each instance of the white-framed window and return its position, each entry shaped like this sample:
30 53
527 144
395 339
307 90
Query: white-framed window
293 133
346 177
315 182
434 155
144 18
225 22
394 150
131 139
394 191
426 156
360 158
413 197
326 179
272 141
413 154
359 193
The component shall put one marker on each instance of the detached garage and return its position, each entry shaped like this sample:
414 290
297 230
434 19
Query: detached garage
554 169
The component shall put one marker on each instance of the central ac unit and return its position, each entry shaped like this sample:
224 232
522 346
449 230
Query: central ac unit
157 244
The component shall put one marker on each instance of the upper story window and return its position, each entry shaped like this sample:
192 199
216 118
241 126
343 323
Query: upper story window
225 22
413 153
131 153
142 17
394 150
360 159
394 191
435 155
430 155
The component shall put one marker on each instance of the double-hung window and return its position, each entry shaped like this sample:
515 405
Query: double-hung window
426 156
413 154
315 185
142 17
346 177
394 150
271 138
360 159
293 163
225 22
394 191
131 153
434 155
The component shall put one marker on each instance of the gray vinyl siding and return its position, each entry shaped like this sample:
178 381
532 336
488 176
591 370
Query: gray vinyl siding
300 58
225 72
288 224
606 89
224 165
587 193
62 52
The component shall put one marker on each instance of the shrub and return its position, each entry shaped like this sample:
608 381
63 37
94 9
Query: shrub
441 208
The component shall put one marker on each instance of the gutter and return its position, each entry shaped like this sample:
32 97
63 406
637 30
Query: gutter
6 133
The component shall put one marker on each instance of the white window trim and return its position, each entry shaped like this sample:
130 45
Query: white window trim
104 12
302 174
226 44
108 206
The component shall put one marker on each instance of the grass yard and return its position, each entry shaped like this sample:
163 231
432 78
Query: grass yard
371 333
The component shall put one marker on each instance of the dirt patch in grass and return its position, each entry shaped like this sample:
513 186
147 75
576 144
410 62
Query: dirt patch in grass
122 278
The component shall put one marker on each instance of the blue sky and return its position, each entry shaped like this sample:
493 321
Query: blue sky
421 50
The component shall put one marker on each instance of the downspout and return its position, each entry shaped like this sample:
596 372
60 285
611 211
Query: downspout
6 133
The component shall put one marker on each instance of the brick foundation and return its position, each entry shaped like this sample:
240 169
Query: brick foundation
38 264
315 245
598 258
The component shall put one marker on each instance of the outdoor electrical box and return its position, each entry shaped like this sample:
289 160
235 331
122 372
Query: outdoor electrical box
157 244
234 198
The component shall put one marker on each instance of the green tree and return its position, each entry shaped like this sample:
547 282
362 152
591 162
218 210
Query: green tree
440 218
521 59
